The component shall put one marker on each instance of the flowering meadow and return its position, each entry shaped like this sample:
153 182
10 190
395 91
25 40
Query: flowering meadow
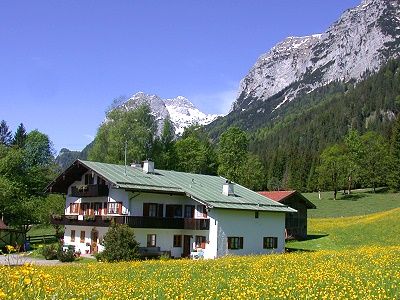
363 273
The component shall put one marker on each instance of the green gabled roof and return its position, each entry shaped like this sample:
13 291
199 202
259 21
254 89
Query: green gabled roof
135 178
206 189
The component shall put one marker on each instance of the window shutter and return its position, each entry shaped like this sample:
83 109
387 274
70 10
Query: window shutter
229 243
80 209
241 243
160 210
145 209
119 209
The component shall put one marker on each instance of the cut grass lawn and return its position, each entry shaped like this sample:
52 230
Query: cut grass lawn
39 230
378 229
360 202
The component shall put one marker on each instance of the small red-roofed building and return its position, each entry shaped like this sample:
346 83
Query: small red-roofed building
295 223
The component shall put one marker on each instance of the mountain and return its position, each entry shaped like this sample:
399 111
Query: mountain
66 157
179 110
357 45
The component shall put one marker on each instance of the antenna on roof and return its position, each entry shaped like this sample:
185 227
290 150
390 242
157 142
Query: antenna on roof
126 146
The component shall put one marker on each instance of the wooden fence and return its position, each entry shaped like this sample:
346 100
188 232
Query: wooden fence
44 239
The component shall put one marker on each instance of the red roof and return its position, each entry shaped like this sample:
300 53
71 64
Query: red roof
277 195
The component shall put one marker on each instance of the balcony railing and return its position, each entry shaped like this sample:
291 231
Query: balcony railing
90 190
134 221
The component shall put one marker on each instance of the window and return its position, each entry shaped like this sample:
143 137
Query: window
114 208
200 241
98 208
85 209
174 211
151 240
256 215
177 241
153 210
101 181
189 211
201 211
74 208
82 236
88 179
270 243
235 243
72 235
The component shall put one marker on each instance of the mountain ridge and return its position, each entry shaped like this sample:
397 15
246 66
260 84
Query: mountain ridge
360 41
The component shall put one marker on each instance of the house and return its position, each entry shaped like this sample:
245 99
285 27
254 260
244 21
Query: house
296 222
170 211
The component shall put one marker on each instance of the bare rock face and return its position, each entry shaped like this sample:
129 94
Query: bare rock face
361 41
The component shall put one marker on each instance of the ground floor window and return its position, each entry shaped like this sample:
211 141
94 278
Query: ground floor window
82 236
177 241
72 235
235 242
270 243
151 240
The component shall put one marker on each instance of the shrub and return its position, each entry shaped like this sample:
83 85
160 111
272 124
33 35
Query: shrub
120 244
50 251
66 256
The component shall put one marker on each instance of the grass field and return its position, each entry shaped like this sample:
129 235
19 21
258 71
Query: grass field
360 202
378 229
365 273
357 256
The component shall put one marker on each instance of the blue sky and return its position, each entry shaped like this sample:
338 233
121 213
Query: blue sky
63 62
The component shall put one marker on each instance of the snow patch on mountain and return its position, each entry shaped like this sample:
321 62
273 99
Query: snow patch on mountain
361 41
179 110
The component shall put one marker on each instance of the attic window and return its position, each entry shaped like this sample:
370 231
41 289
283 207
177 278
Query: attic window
89 179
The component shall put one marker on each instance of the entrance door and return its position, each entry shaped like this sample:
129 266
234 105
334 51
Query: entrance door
186 246
94 240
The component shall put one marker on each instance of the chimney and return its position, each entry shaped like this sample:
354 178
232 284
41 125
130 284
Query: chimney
148 166
227 188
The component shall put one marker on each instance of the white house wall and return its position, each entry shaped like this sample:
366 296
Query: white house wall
242 223
164 238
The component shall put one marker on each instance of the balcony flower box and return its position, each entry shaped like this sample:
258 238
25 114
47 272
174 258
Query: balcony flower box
89 218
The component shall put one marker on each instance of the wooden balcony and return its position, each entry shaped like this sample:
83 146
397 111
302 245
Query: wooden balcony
134 221
90 190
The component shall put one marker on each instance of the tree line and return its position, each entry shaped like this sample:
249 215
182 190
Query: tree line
134 133
26 168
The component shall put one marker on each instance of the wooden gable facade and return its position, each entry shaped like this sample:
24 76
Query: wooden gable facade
295 223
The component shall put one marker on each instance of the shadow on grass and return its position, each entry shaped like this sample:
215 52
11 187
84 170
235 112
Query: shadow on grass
379 190
297 247
352 197
314 237
291 250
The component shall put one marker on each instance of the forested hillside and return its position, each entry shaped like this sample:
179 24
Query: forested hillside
290 146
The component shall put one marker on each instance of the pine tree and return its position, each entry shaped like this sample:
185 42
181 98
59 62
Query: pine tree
19 136
5 134
394 175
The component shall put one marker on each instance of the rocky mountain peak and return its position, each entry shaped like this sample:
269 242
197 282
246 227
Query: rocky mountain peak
361 41
179 110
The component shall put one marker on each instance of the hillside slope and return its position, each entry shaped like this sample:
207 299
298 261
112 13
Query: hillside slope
290 146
